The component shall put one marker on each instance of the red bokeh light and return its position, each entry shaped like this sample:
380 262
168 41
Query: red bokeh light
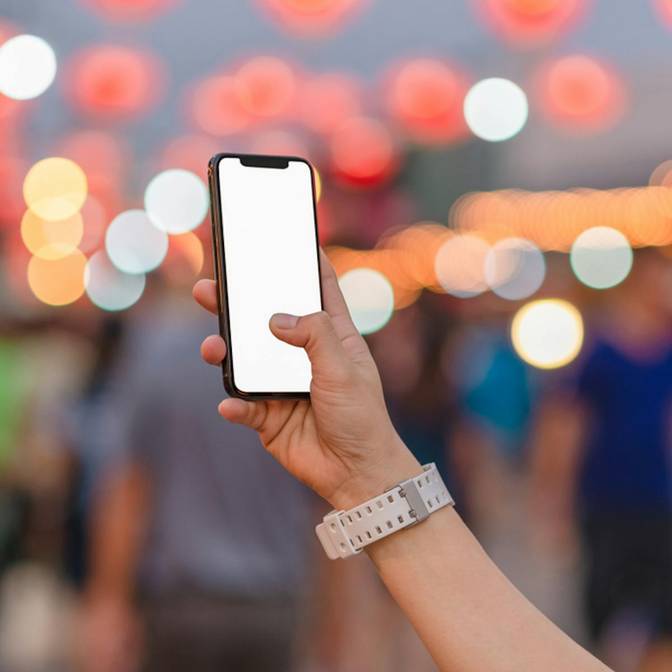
9 107
215 107
96 218
277 142
190 152
130 10
266 87
664 9
312 16
12 172
327 100
580 93
426 96
362 152
94 151
531 21
111 82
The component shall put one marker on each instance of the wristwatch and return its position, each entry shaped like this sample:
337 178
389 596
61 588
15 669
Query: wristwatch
346 533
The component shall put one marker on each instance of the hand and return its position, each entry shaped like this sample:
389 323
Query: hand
340 442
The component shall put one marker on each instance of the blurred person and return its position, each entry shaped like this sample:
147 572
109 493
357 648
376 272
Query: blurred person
603 453
199 543
341 442
409 353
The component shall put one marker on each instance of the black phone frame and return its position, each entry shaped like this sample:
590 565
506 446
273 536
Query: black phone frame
261 161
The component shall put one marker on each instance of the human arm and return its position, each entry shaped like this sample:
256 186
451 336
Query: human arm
109 626
342 444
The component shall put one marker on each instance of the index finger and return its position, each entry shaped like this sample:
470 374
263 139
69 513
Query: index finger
205 293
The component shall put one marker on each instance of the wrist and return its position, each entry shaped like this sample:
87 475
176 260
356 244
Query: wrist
395 463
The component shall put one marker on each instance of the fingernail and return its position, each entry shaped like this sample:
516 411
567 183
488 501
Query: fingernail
284 321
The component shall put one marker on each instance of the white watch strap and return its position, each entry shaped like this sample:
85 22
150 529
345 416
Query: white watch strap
345 533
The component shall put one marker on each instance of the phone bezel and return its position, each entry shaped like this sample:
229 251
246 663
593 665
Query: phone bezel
260 160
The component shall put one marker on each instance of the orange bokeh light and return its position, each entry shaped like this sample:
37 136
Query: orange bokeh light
184 260
530 22
51 239
327 100
362 152
553 219
57 282
426 97
580 93
311 16
112 82
266 87
215 106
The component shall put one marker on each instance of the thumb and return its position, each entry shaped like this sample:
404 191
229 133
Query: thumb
315 333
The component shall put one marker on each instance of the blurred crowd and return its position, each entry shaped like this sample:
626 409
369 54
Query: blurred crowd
141 531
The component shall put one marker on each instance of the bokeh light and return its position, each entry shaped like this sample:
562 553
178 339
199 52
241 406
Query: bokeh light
176 200
278 142
664 9
134 244
109 288
97 152
57 282
215 107
27 67
459 265
55 188
601 257
130 10
311 17
111 82
514 268
547 333
185 251
580 93
51 239
327 100
266 87
362 152
496 109
190 152
95 221
426 96
370 298
12 173
531 22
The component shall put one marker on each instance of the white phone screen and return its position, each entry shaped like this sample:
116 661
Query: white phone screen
271 266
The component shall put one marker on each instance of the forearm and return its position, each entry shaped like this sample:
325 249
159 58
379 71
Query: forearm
117 529
469 615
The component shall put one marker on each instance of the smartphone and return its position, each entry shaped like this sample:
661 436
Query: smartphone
267 261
